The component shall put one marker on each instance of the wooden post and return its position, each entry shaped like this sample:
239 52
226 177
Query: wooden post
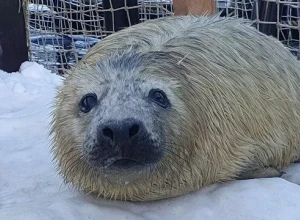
13 39
195 7
116 20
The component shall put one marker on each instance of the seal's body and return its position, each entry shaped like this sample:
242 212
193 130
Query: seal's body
163 108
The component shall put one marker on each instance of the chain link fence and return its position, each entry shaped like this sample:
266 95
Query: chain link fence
60 32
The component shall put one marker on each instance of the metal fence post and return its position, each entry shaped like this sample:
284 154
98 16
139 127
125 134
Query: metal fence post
116 18
13 41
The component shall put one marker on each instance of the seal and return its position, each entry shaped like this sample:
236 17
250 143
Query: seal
166 107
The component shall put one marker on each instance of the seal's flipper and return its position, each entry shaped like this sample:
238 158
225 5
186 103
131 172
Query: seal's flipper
266 172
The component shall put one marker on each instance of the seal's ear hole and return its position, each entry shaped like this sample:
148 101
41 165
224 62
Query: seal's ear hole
87 102
159 97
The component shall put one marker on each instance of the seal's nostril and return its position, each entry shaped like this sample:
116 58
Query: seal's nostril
108 133
133 130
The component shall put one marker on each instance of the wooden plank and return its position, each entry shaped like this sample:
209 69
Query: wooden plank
195 7
12 35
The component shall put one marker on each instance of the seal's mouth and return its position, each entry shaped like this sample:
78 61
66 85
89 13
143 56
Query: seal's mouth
125 164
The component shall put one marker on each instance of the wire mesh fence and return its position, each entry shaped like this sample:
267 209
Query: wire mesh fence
60 32
278 18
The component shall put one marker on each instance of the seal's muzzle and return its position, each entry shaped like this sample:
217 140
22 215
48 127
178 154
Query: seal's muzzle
123 144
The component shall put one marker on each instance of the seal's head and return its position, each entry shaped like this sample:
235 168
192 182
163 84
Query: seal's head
119 123
124 117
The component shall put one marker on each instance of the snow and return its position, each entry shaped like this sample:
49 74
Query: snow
30 188
38 8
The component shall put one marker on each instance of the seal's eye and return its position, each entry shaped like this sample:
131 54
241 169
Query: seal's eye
159 97
88 102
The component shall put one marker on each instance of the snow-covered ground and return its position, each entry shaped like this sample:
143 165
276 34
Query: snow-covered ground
30 188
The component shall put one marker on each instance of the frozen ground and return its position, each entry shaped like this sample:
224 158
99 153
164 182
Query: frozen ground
31 190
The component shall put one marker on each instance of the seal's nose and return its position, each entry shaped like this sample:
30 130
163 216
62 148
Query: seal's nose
121 131
123 144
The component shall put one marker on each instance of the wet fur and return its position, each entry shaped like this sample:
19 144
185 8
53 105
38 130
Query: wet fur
235 104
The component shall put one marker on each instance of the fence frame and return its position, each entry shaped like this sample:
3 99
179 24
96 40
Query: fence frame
14 36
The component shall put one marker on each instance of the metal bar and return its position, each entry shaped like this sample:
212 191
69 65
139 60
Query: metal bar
13 38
